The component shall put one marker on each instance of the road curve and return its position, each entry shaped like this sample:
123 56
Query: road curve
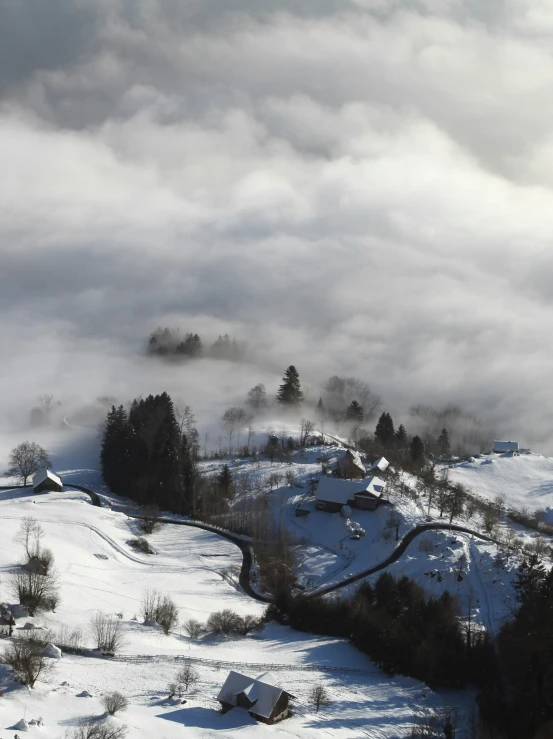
247 559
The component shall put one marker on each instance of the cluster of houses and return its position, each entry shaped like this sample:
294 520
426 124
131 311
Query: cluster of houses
352 485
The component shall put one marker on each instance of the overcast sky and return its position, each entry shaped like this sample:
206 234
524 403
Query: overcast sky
355 186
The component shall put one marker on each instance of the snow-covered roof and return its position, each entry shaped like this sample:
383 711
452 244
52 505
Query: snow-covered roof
262 691
505 446
43 475
334 490
380 464
353 458
375 487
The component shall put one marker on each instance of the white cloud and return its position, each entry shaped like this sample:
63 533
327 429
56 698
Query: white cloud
359 188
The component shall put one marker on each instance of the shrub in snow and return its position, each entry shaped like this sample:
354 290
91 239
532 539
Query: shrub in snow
96 729
230 623
114 702
141 545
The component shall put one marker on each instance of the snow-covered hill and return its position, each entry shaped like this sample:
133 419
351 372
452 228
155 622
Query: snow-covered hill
99 571
526 481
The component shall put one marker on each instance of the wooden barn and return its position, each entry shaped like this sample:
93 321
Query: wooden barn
261 696
45 481
333 494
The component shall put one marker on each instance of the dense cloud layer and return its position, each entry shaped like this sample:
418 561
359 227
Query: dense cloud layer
362 188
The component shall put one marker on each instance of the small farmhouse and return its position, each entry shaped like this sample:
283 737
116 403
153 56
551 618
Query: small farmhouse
350 466
260 696
45 480
333 494
505 447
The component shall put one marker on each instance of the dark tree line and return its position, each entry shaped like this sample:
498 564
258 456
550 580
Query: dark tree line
145 455
399 627
169 342
521 702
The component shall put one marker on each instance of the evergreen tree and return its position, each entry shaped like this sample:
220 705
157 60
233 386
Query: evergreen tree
192 346
384 432
416 449
444 446
225 480
290 393
401 437
530 579
116 455
354 412
320 408
165 479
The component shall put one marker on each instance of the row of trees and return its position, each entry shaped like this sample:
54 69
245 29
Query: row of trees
168 342
520 702
148 455
399 627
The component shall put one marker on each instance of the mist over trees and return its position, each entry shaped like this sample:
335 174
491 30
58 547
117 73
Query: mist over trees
168 342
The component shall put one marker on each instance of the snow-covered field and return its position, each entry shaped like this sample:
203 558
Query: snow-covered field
99 571
526 481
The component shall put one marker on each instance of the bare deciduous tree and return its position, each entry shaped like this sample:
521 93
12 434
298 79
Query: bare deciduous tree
35 590
25 459
306 428
167 615
257 397
107 632
114 702
193 628
233 419
151 599
159 608
94 728
318 696
28 663
29 536
185 677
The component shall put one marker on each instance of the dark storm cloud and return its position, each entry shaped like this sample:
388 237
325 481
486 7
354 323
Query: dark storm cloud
358 187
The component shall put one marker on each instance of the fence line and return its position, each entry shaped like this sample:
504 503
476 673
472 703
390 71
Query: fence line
141 658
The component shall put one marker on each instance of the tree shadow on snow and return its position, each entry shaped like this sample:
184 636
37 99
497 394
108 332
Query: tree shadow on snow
209 718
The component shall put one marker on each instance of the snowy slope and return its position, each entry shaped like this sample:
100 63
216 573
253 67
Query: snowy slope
526 481
98 570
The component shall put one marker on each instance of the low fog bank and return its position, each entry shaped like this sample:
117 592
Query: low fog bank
85 376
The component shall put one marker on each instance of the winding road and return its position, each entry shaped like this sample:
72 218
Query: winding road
243 543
